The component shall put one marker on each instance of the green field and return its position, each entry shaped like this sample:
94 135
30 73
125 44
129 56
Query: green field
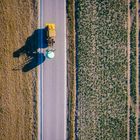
102 69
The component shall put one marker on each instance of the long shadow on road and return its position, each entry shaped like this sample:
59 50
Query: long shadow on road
30 49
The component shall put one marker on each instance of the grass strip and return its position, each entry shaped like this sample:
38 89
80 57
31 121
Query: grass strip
133 92
71 69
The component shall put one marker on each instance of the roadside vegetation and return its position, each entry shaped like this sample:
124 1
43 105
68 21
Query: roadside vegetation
133 51
71 64
133 68
101 38
132 124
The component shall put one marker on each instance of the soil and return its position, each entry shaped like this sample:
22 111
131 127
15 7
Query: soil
18 89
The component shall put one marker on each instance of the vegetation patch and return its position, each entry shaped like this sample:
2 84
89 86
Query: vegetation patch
133 69
132 124
71 64
133 55
102 69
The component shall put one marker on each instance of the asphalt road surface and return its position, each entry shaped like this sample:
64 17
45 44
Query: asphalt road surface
54 74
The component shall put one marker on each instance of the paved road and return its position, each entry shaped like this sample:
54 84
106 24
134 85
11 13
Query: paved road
54 74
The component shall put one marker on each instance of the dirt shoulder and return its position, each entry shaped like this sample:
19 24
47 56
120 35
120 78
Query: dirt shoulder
71 66
18 100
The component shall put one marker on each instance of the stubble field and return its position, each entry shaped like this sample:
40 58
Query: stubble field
18 90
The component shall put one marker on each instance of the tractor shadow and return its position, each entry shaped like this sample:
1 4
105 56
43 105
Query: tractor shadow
30 50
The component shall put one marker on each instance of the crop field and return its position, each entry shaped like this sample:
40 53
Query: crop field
18 90
102 69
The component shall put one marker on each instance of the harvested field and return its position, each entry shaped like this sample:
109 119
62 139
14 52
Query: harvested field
102 69
18 90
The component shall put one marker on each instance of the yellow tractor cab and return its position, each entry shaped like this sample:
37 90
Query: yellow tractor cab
50 38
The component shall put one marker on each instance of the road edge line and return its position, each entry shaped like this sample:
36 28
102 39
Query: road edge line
40 74
38 77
